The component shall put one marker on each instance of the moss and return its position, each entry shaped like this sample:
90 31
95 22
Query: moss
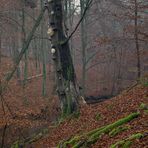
79 144
72 141
143 106
98 117
66 112
144 81
110 106
146 112
127 142
76 114
92 136
118 130
68 106
15 145
109 127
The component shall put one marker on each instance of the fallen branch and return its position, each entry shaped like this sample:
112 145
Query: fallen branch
30 78
131 87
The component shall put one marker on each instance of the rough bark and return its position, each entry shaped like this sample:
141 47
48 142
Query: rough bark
65 74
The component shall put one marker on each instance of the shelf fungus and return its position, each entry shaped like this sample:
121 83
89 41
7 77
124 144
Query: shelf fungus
49 1
53 50
50 32
52 12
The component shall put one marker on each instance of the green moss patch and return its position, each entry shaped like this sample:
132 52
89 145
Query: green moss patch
126 143
118 130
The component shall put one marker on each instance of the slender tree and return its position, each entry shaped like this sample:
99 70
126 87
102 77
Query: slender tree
83 44
137 40
43 57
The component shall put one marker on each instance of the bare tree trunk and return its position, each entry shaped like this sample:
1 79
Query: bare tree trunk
0 49
24 48
83 43
65 74
136 41
43 49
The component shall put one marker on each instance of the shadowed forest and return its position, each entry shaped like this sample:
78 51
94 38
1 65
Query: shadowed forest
73 74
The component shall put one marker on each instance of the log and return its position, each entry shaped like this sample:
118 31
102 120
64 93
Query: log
91 137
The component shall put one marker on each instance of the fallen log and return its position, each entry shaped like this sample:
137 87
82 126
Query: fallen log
91 137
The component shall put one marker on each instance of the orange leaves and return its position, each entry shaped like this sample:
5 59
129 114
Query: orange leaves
110 111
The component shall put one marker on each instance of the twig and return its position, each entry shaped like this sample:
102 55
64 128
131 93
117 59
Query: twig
135 84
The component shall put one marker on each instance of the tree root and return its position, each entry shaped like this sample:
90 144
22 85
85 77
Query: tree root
91 137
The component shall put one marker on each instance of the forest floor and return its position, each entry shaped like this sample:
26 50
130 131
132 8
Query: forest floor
31 117
23 110
104 113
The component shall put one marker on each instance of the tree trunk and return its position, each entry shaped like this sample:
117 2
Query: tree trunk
24 49
23 40
136 41
0 49
43 49
65 74
83 45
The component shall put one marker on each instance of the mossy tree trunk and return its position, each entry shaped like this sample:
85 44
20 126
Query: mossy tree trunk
65 74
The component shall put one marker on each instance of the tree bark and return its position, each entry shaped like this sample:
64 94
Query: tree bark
0 49
136 41
65 74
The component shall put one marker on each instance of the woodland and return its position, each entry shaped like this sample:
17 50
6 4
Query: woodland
73 73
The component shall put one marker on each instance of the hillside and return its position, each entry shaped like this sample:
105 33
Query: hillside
31 122
104 113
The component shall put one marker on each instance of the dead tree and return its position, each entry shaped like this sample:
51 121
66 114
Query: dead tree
65 74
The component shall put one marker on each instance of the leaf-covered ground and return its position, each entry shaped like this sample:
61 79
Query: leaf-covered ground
94 116
23 110
34 114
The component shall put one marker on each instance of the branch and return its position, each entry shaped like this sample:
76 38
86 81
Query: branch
24 49
84 13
